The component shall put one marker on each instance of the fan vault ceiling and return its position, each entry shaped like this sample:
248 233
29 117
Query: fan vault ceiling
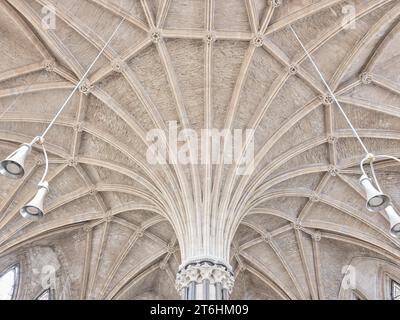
116 226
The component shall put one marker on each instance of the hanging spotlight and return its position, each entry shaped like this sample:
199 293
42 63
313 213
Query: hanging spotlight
13 166
394 220
376 200
34 209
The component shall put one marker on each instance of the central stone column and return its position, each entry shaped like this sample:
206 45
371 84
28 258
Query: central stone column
205 279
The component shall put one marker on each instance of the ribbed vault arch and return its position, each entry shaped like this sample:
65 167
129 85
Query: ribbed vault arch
141 221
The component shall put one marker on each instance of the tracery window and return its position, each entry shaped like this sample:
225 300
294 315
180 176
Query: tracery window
8 283
395 290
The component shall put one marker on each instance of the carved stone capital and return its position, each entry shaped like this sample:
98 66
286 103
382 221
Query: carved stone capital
204 270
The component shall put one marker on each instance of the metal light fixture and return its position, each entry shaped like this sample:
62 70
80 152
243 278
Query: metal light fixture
34 209
394 220
376 200
13 166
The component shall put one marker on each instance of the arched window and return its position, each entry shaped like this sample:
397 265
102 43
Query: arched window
395 290
45 295
9 283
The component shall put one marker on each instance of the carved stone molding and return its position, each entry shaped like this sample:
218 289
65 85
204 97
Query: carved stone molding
49 65
275 3
297 225
326 99
72 162
366 78
333 171
293 69
317 236
92 192
155 36
86 87
78 127
139 233
118 65
210 38
206 276
258 41
267 237
315 197
332 140
39 162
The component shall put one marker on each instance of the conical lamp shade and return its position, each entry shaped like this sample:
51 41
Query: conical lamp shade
394 220
376 200
34 209
13 166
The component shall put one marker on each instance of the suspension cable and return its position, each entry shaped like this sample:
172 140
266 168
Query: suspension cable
330 91
40 139
46 159
82 79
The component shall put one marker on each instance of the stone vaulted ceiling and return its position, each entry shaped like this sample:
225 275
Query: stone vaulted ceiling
117 225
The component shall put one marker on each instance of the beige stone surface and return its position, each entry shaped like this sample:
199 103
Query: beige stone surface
117 227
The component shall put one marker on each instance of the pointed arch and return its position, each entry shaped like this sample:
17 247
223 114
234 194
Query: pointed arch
47 294
9 280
